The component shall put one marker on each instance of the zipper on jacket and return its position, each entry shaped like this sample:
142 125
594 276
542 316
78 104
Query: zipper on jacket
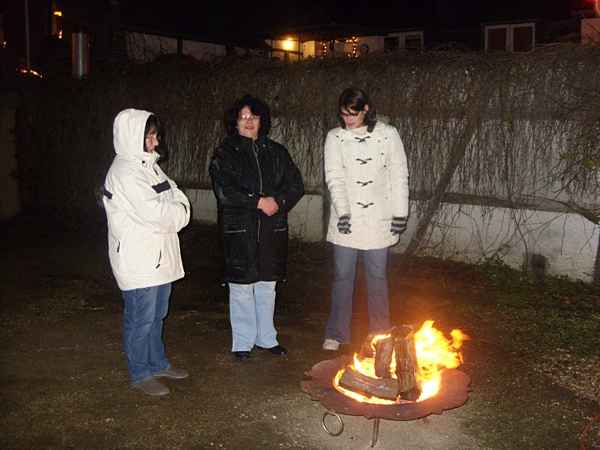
260 186
159 258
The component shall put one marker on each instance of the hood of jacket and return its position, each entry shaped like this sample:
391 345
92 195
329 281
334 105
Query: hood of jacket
128 133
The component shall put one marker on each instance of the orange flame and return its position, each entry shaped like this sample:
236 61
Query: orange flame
434 353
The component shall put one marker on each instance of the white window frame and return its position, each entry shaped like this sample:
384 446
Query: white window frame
408 34
510 29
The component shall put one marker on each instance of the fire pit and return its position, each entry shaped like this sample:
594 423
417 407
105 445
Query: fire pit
398 375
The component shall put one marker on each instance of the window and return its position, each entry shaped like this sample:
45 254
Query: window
390 44
412 40
510 38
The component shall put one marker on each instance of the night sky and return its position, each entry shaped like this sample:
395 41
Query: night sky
257 16
252 18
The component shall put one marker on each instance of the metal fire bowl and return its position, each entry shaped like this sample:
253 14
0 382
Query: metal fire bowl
319 385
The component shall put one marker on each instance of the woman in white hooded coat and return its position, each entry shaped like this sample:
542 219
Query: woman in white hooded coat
367 178
145 210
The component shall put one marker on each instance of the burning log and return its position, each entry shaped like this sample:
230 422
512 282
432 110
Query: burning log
379 387
400 364
406 363
384 350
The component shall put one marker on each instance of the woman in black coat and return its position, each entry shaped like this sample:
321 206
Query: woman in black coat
256 184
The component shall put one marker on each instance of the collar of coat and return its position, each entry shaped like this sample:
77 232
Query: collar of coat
241 142
345 133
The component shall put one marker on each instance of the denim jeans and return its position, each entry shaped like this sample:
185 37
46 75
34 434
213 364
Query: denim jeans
145 311
375 263
251 309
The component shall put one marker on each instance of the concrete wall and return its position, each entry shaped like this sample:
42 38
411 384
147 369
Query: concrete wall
9 189
567 242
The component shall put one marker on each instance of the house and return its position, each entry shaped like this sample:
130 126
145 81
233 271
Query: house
486 26
340 40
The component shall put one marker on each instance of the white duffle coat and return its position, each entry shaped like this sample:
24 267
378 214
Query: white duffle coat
367 178
145 210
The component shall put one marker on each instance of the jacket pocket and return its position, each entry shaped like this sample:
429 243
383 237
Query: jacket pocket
280 250
235 246
138 253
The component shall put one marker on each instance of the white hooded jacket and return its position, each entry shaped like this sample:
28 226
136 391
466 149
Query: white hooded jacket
367 178
144 208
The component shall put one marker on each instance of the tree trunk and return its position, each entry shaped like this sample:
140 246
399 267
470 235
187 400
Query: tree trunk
457 154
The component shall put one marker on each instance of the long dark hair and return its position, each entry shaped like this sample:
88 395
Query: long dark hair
257 107
356 99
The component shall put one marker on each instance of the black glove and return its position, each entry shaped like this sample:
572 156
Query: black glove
398 225
343 224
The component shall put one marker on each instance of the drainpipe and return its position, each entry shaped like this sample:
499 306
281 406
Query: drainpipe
27 52
596 277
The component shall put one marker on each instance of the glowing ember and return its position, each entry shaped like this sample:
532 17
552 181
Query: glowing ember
433 352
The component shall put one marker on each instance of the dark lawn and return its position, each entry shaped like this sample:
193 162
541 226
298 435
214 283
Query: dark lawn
534 357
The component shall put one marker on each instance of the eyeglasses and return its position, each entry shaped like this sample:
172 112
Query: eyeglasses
350 114
248 117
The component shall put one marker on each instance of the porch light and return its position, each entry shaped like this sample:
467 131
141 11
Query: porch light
288 44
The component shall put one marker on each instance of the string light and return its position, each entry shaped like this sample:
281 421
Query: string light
354 42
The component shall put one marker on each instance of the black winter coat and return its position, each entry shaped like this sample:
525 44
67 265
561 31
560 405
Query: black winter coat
254 244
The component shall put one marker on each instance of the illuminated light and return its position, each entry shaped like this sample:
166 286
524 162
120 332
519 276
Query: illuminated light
31 72
57 13
60 34
288 44
354 42
4 44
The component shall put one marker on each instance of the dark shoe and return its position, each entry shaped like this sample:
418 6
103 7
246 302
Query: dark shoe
152 386
241 356
277 350
175 374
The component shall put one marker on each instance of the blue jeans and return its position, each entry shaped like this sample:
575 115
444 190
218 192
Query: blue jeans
145 311
251 309
375 263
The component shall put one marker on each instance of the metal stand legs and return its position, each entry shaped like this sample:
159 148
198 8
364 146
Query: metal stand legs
340 427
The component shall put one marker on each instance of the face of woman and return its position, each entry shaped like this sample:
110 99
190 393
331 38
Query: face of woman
248 124
353 119
151 141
